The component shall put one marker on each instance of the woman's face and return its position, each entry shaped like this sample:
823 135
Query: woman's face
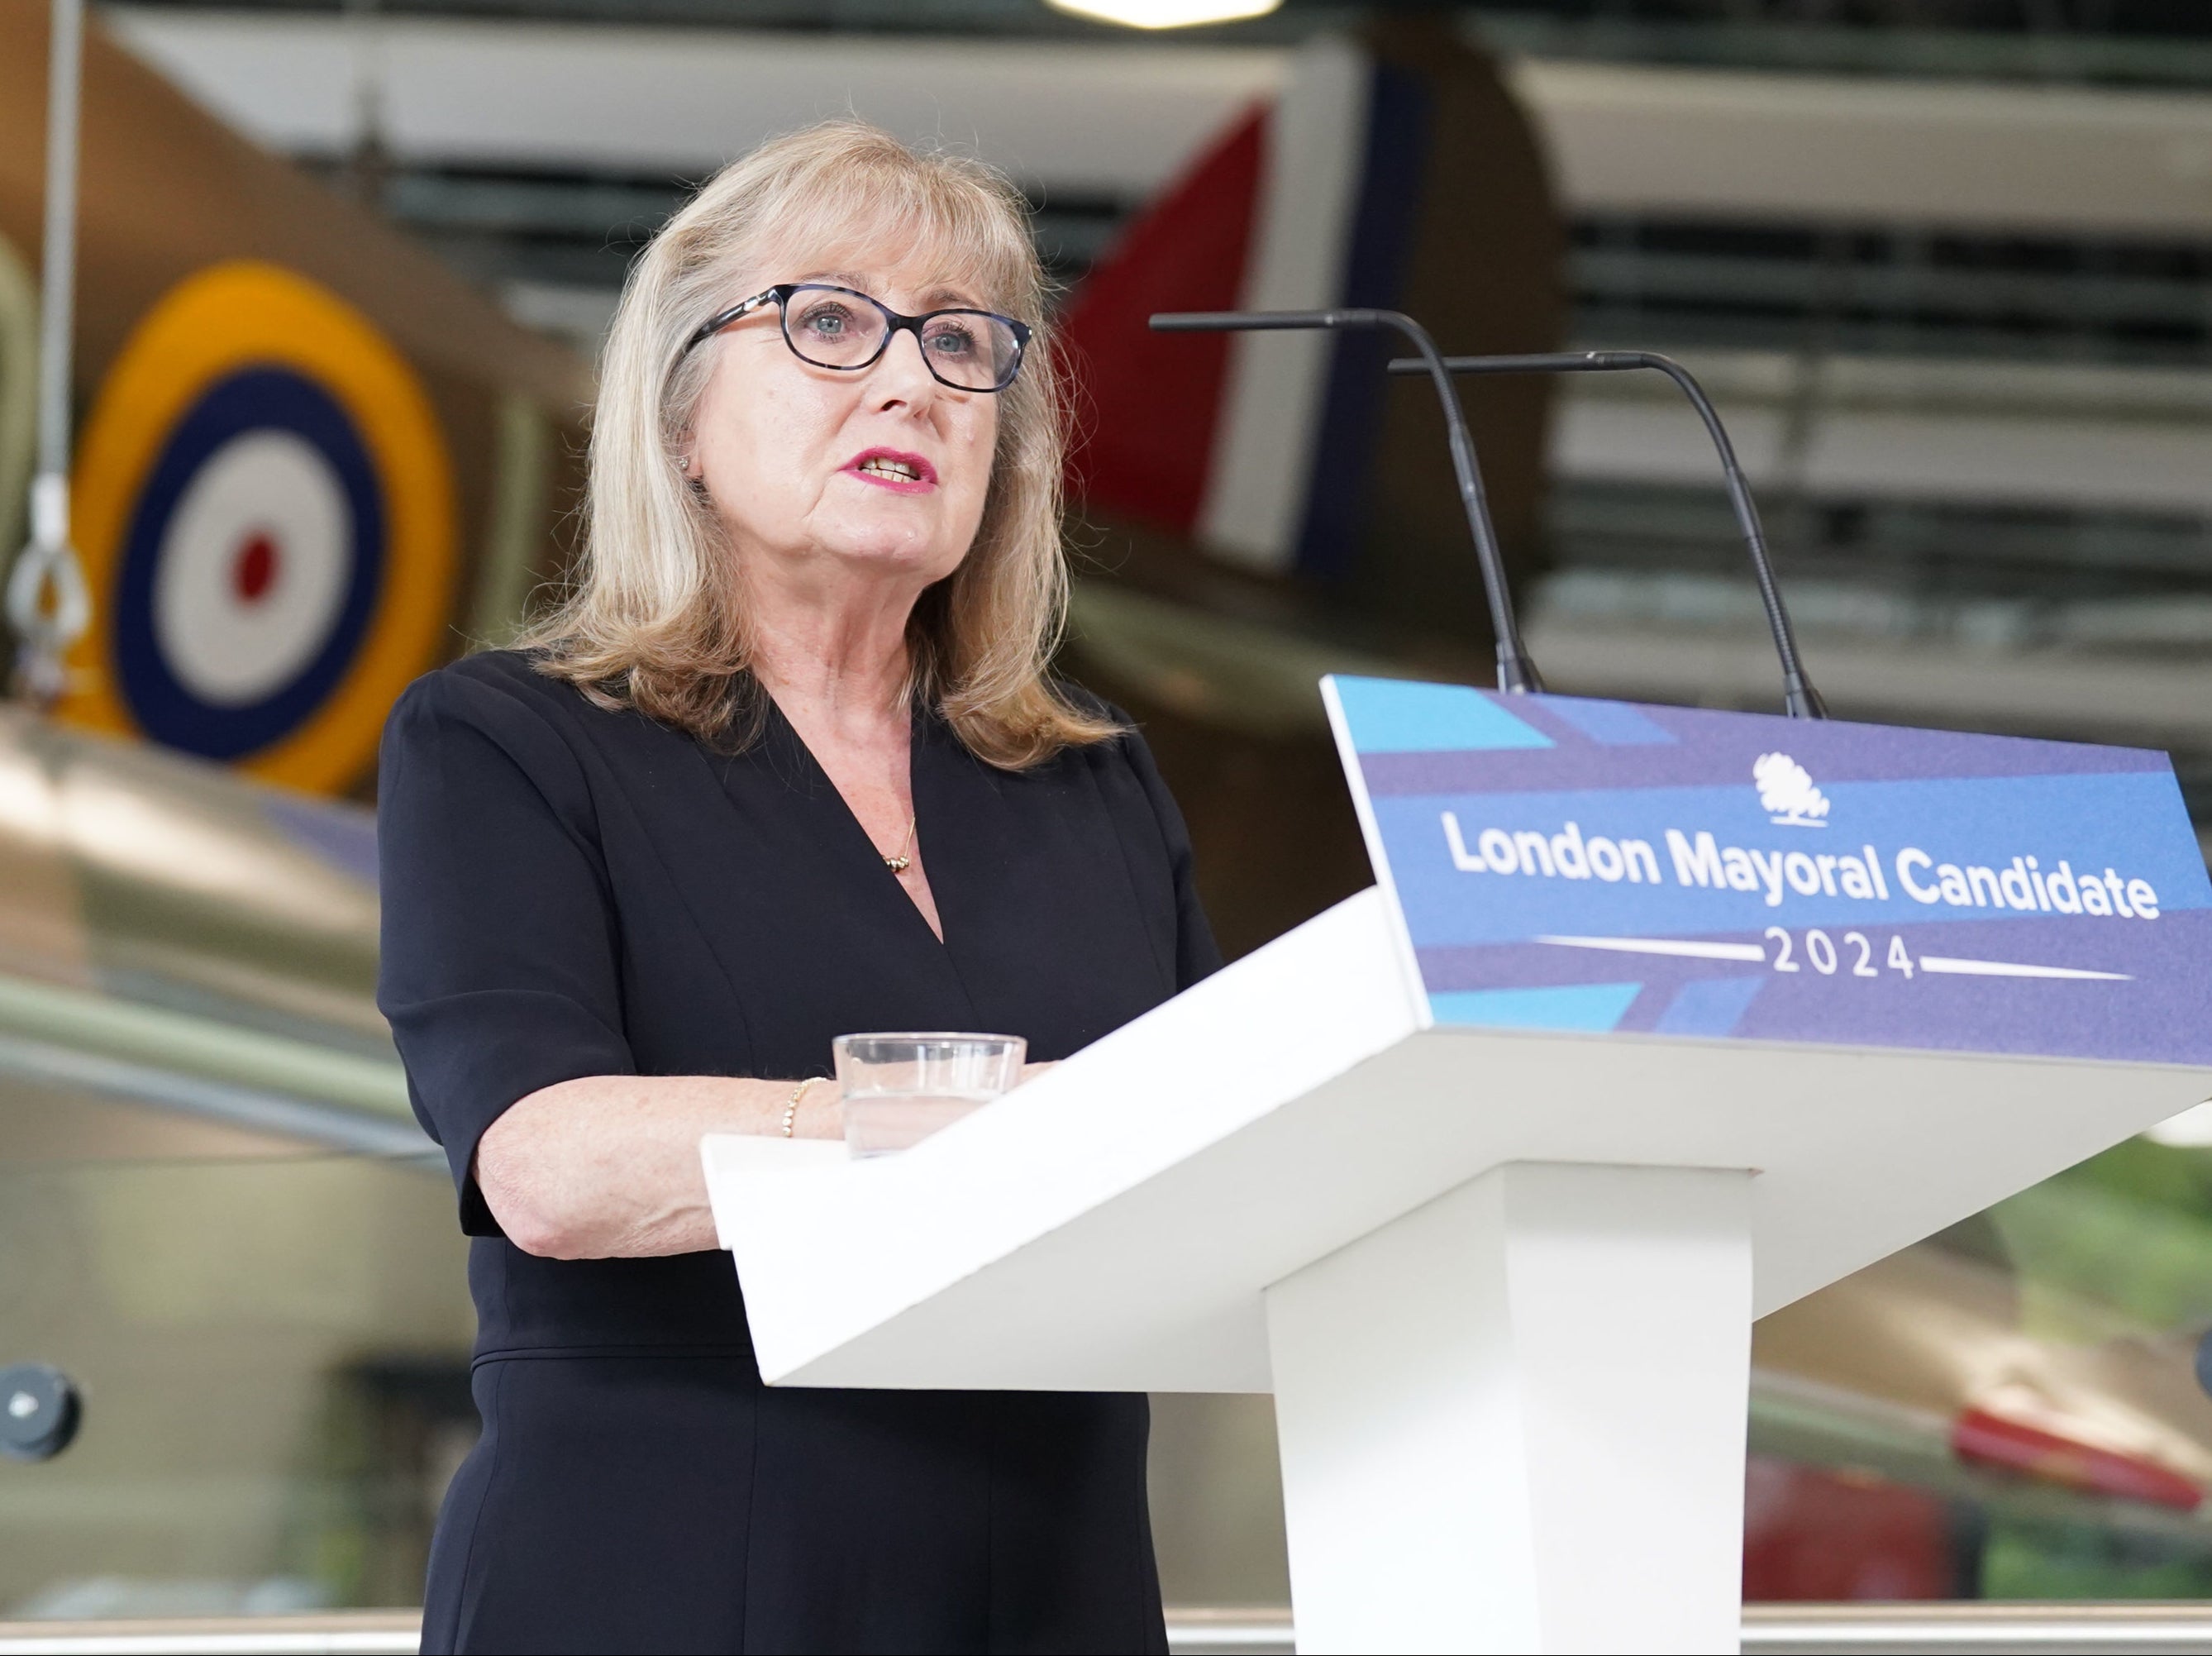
824 473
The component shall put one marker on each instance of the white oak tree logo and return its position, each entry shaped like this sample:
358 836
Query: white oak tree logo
1786 791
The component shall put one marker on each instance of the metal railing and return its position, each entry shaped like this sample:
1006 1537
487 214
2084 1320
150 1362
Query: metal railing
1974 1629
1966 1629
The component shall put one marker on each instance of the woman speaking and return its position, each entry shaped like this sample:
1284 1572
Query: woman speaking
787 765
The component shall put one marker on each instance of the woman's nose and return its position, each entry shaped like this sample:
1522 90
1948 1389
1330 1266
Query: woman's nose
902 375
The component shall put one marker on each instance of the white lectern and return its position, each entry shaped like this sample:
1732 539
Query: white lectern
1500 1282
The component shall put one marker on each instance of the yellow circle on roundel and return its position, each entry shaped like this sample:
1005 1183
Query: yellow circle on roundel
263 504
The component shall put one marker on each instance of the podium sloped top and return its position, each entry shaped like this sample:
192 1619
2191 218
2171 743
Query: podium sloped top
1114 1224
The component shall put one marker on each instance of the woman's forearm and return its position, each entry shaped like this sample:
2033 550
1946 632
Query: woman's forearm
607 1167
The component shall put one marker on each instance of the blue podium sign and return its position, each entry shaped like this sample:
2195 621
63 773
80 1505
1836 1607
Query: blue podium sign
1563 864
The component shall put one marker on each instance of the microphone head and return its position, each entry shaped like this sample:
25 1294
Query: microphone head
1254 321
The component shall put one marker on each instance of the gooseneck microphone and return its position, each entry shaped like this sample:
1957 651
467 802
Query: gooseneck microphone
1516 672
1799 698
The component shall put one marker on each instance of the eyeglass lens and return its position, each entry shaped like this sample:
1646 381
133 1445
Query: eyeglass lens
967 349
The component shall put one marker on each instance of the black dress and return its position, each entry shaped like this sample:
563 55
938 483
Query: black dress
570 891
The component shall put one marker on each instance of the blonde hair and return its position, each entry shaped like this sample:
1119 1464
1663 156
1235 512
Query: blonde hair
652 620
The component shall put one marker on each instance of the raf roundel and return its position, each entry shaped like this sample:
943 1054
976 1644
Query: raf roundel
264 508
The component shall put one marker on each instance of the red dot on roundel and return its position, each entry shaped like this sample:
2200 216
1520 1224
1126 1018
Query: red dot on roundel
253 571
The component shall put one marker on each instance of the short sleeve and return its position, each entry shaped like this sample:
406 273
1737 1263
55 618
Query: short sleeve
1197 955
499 971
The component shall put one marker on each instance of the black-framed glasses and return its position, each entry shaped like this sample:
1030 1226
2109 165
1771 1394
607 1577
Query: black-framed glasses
847 329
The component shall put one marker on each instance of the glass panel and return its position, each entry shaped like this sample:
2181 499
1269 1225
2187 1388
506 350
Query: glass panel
2012 1407
272 1348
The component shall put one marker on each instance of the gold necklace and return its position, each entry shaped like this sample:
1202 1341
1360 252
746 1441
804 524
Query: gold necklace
899 864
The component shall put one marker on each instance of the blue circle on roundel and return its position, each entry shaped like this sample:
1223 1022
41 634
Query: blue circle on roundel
263 399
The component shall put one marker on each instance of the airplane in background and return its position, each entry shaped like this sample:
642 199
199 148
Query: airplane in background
310 457
314 462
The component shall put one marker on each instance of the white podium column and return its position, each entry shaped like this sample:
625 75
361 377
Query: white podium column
1513 1419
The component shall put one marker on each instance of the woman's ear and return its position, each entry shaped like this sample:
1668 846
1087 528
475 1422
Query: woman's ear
694 474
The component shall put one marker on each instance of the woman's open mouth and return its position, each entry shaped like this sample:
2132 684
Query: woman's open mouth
888 468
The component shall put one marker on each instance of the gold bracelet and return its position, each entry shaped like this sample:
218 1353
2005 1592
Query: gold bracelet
791 1108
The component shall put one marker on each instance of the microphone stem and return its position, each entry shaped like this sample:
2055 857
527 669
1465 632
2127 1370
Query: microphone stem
1799 697
1516 674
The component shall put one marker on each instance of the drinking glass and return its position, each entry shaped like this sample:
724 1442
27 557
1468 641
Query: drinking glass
900 1088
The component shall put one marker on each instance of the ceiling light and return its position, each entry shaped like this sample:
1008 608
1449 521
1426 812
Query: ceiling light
1165 14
